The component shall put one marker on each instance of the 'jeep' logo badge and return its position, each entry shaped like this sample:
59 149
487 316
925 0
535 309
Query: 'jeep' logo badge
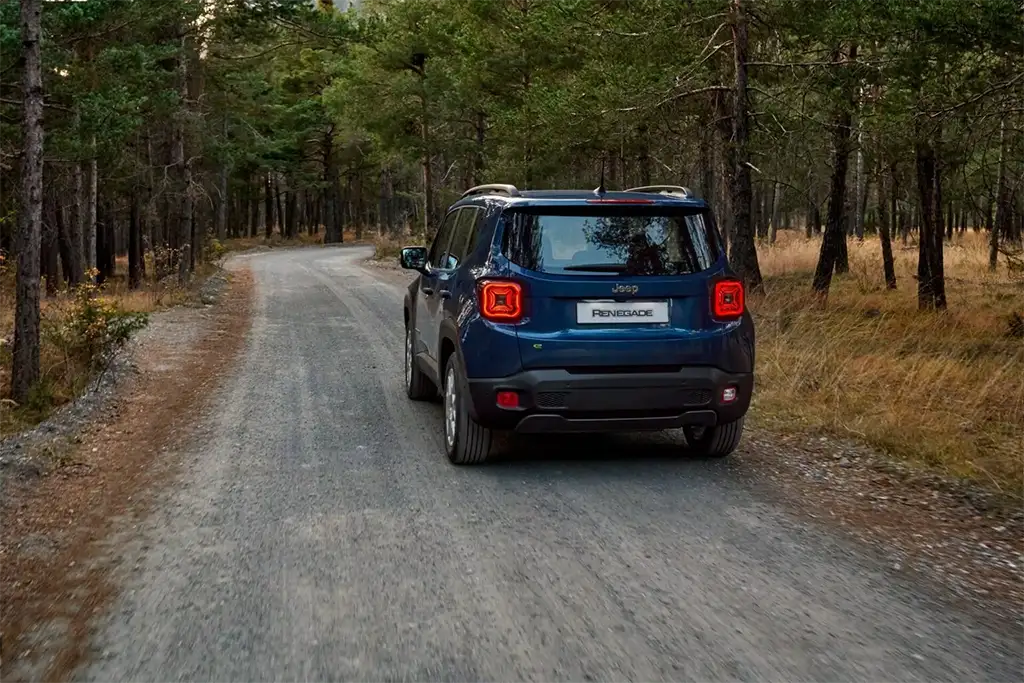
625 289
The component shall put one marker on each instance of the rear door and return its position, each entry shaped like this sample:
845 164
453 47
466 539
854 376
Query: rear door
614 286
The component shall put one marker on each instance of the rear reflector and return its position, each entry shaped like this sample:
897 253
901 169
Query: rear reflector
727 300
508 399
501 301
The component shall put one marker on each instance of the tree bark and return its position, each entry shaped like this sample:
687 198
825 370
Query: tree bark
744 251
134 243
832 258
1002 218
773 227
861 187
70 261
931 286
884 232
89 243
268 206
25 361
222 206
48 246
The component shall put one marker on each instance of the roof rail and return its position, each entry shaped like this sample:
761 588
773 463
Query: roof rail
509 190
663 189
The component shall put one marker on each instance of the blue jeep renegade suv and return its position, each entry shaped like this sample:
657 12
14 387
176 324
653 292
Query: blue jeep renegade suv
578 311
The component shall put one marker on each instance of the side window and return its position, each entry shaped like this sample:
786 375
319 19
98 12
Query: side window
444 236
465 228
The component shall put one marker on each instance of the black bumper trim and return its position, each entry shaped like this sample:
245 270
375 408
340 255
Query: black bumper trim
555 400
543 423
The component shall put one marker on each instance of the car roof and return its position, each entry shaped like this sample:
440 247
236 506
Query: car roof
564 197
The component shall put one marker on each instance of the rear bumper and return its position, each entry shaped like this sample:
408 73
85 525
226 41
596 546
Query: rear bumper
556 400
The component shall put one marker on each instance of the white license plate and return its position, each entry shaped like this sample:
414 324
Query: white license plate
621 312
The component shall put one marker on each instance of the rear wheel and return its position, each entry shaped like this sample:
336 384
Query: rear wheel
466 442
714 442
418 386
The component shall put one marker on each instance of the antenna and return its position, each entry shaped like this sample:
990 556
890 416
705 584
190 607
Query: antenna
600 188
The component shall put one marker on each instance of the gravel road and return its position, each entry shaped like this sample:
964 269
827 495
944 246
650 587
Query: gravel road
319 533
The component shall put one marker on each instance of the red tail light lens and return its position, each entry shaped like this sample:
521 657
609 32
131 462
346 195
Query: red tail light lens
501 301
727 302
507 399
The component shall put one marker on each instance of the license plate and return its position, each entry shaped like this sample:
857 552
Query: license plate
621 312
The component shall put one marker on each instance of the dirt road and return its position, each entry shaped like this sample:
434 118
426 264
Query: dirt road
318 533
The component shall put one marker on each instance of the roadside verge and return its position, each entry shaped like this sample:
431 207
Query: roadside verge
52 546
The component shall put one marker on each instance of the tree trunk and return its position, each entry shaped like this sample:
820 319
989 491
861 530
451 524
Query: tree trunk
1002 219
292 216
134 243
744 251
279 207
832 257
25 361
479 165
861 187
222 206
931 287
884 232
773 227
48 247
70 261
90 226
268 206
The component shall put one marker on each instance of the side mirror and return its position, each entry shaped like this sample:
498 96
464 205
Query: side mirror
413 258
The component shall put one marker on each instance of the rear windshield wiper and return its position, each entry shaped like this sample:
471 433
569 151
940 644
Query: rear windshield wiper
598 267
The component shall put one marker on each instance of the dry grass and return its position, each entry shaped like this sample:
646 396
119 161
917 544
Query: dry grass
387 248
63 376
303 239
941 389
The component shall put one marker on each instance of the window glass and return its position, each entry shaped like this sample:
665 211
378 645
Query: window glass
444 236
465 231
632 241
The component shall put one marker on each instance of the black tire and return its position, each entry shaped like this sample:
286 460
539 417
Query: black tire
714 442
465 442
418 386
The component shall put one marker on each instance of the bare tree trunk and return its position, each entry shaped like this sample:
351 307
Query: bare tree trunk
861 187
479 165
833 255
268 206
279 207
1002 220
134 243
222 207
49 262
744 251
773 227
884 233
931 289
92 202
25 360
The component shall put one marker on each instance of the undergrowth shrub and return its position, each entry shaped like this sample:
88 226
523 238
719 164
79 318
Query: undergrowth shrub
92 327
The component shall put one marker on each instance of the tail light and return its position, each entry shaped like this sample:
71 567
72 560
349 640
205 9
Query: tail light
501 301
727 301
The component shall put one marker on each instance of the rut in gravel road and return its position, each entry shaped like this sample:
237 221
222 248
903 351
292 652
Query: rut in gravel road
317 532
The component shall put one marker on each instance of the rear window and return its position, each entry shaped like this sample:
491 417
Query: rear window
627 241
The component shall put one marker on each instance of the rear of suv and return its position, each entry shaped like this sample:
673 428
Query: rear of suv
578 311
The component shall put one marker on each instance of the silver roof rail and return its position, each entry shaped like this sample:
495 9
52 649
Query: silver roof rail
509 190
663 189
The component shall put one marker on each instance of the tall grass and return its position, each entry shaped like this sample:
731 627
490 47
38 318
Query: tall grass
941 389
